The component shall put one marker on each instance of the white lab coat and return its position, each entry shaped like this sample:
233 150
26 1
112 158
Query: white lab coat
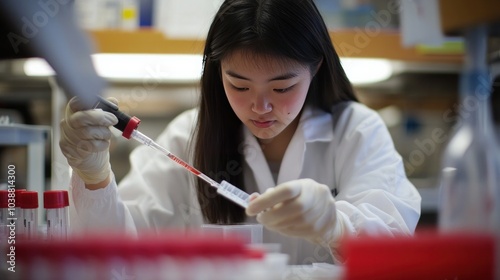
357 157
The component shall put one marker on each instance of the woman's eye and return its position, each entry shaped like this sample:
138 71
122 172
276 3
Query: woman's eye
282 90
240 88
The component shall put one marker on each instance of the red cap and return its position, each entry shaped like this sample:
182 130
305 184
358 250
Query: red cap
4 199
18 191
454 255
132 124
254 254
55 199
28 200
17 197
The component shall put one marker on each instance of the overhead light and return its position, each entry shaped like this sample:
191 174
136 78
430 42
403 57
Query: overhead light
166 67
366 70
188 68
37 67
133 67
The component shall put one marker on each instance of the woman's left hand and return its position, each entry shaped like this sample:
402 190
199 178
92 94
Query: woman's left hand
300 208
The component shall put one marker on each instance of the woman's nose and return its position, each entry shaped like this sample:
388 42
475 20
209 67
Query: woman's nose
261 105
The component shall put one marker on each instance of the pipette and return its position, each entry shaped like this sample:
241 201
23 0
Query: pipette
128 125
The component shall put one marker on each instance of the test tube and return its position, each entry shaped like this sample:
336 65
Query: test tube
233 193
29 210
56 204
18 212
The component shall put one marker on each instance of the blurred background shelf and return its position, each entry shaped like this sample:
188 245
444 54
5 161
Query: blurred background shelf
349 43
459 14
386 44
143 41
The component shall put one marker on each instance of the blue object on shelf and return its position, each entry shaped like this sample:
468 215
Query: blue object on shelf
146 13
412 124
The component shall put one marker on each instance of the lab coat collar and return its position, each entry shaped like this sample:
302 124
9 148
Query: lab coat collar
314 125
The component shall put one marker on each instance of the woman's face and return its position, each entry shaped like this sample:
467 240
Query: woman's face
266 94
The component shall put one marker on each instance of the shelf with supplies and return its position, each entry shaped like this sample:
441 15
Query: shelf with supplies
143 41
354 43
459 14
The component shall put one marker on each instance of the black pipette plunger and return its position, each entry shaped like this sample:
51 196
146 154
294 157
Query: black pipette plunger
126 124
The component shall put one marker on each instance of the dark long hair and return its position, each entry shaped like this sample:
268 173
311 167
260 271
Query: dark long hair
287 29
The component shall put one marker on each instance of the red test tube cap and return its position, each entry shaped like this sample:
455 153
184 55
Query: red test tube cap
19 191
4 199
28 199
55 199
18 196
430 255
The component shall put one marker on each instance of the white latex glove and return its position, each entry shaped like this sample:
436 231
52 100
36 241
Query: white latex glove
299 208
85 138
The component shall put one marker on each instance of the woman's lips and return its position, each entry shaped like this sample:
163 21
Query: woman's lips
263 124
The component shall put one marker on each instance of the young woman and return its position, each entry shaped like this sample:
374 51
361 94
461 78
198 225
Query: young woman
277 116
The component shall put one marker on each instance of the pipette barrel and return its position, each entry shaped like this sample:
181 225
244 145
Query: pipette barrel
128 125
224 188
143 139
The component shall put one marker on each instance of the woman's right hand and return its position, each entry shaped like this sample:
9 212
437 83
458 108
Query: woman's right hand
85 139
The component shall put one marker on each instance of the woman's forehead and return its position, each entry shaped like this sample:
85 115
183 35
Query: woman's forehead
253 59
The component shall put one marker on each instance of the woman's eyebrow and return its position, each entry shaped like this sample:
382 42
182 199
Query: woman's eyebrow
285 76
